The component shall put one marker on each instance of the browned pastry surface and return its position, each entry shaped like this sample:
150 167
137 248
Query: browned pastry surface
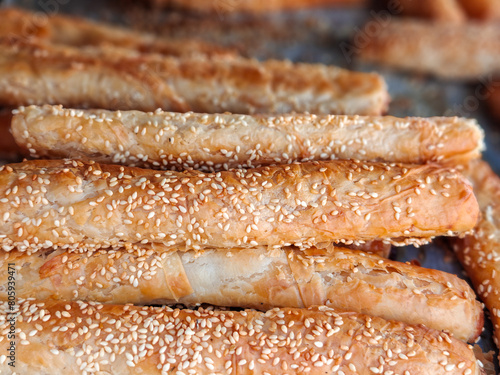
256 278
77 204
440 10
79 32
78 338
163 140
482 9
479 253
442 49
254 6
115 78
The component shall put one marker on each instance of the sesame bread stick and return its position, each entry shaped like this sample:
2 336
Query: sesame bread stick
251 6
439 10
479 253
114 78
74 204
441 49
256 278
166 140
79 32
59 338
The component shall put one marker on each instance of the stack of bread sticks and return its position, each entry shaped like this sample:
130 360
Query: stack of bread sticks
270 221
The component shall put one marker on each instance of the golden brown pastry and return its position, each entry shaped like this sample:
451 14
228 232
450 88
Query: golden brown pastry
75 204
80 338
79 32
479 253
256 278
482 9
115 78
166 140
439 10
441 49
222 7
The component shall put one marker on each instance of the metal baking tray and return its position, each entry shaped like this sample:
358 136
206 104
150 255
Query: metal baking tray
317 36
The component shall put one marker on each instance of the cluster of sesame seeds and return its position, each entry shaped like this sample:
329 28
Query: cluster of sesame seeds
207 341
100 274
479 251
212 142
72 204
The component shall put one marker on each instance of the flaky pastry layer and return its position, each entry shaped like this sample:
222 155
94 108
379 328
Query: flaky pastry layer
166 140
74 204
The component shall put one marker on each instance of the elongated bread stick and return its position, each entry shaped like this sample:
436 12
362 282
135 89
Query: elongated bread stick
480 253
254 6
256 278
78 338
441 49
79 32
74 204
222 141
114 78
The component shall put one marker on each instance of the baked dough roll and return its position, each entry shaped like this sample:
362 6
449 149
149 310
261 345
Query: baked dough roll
479 253
79 32
73 204
77 338
444 50
220 141
255 278
114 78
222 7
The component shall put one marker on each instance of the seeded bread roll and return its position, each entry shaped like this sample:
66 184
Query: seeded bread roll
115 78
256 278
75 204
222 7
442 49
79 32
479 253
80 338
215 142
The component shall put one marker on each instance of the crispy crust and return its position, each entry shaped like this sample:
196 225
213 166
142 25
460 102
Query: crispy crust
479 253
77 204
441 49
439 10
114 78
256 278
222 7
166 140
59 338
79 32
